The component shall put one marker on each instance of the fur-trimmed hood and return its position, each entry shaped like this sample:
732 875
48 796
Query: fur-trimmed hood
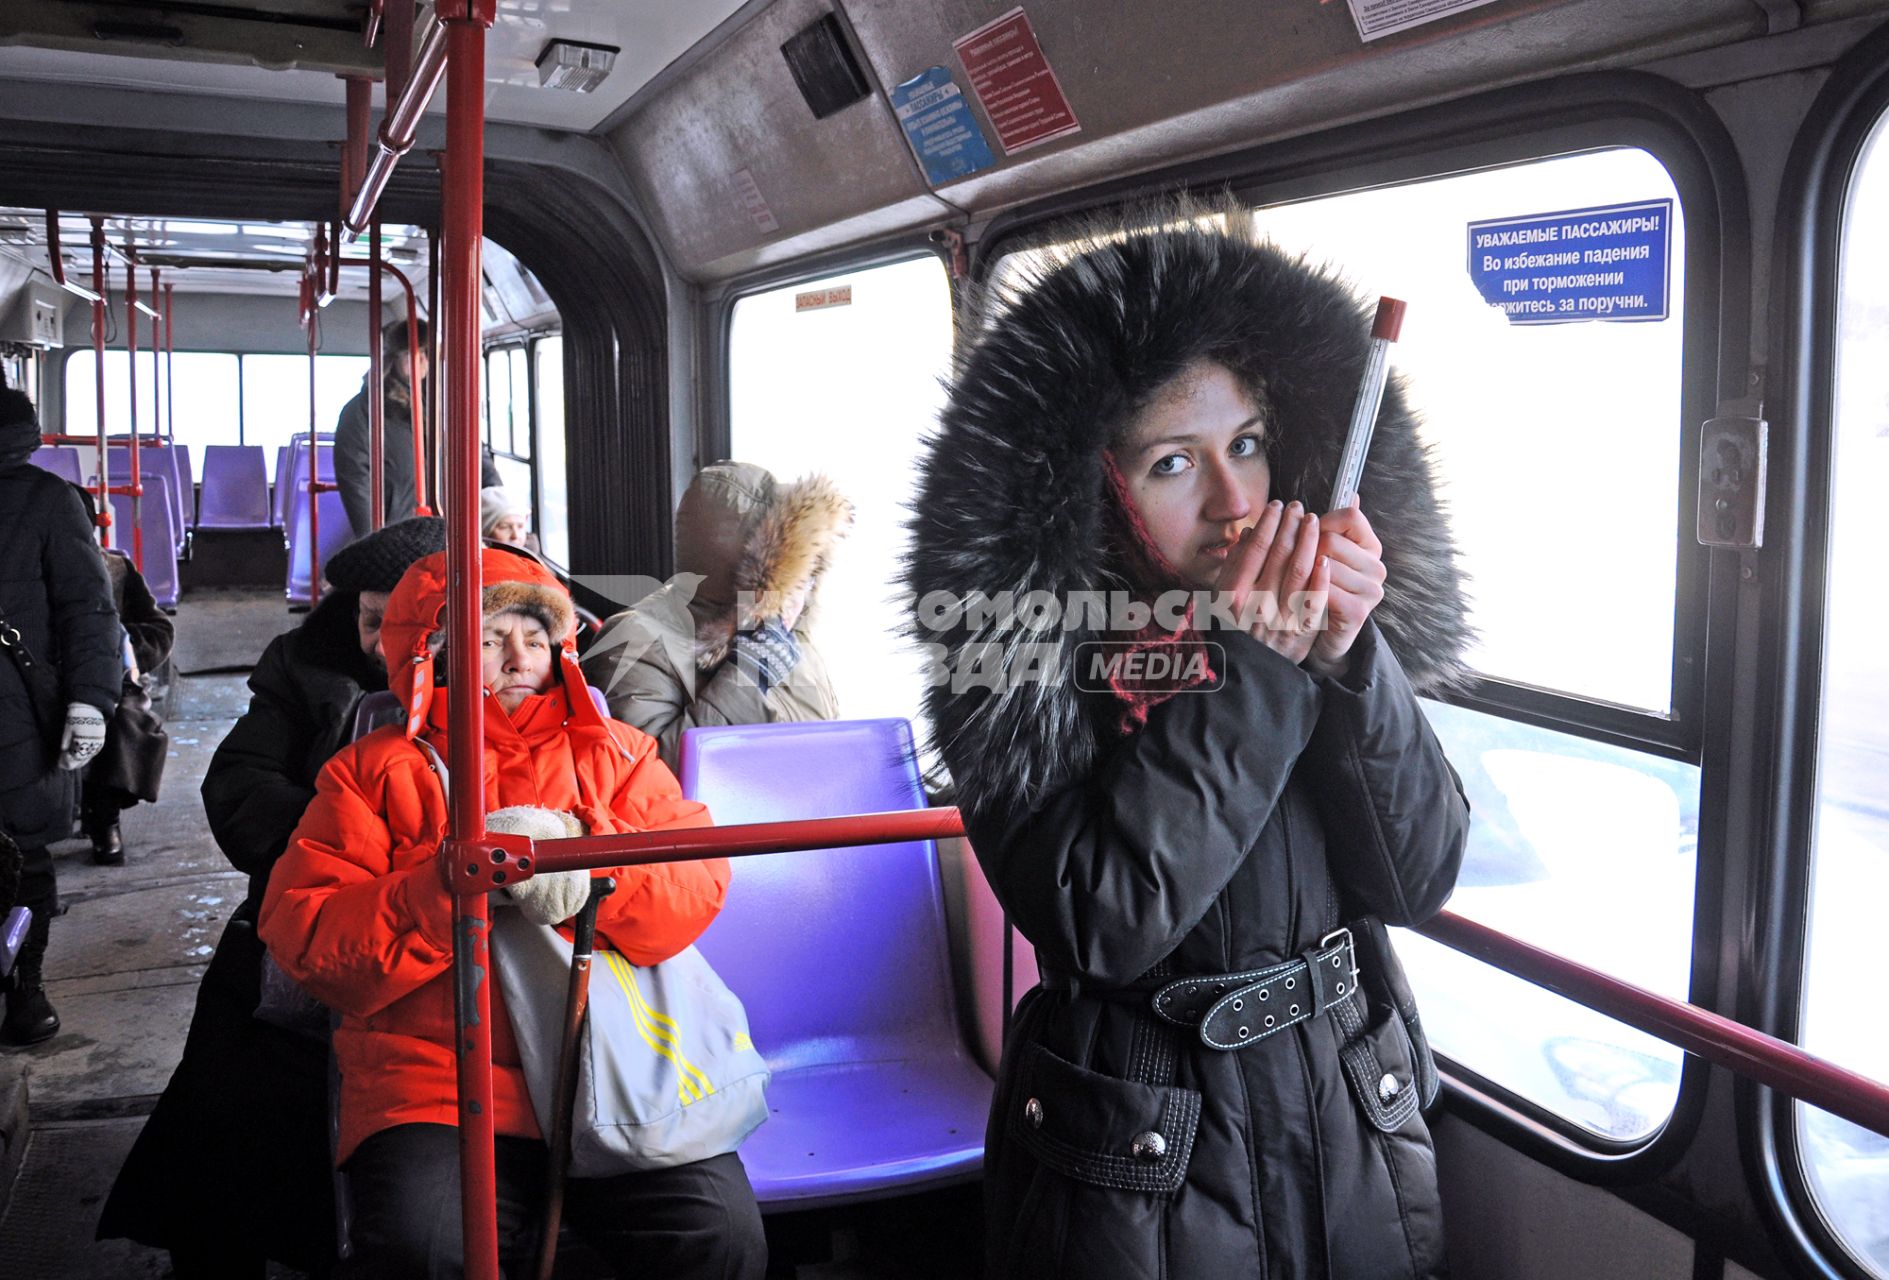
754 541
1012 492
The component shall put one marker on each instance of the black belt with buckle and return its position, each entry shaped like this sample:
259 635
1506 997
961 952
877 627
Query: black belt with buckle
1234 1010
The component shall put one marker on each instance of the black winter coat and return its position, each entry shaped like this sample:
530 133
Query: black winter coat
304 692
53 589
354 467
1233 832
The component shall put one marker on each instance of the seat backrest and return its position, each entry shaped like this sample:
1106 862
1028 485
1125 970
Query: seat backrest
334 529
157 471
60 459
186 482
281 486
155 516
235 488
838 954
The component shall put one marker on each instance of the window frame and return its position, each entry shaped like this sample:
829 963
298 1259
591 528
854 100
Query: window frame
1804 342
1538 121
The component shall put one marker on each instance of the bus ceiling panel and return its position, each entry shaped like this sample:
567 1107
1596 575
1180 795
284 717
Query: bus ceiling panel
737 173
1146 98
312 35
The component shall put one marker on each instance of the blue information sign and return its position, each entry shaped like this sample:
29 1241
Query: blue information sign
939 125
1608 263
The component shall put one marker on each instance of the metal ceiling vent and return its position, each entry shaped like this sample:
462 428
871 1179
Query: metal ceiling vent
823 66
574 65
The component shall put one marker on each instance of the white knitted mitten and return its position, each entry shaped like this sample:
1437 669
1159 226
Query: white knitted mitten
549 897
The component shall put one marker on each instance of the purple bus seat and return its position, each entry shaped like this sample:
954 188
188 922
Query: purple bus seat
842 959
335 531
382 707
279 489
60 459
235 488
157 468
186 482
13 937
160 543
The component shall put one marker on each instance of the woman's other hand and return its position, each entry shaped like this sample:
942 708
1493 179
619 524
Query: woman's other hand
1278 582
1354 557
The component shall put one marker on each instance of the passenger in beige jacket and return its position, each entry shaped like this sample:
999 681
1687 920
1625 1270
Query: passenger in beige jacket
727 640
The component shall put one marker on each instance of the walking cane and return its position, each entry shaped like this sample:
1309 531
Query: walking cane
576 1004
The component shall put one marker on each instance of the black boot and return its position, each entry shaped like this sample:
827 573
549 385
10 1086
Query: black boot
30 1017
108 844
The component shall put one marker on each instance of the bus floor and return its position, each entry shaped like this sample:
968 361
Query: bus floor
122 970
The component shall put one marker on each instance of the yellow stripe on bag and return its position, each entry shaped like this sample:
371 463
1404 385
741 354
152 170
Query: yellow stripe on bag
657 1031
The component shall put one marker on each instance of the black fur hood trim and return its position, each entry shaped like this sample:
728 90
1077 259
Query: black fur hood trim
1011 494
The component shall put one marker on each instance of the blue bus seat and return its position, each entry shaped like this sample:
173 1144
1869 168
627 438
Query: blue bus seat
235 488
335 531
13 937
841 957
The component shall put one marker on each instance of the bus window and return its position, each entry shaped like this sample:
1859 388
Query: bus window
275 395
844 375
1847 1167
554 511
1557 449
507 391
205 394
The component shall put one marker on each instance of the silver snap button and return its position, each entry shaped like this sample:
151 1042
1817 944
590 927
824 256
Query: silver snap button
1243 1033
1334 962
1269 1019
1033 1112
1387 1088
1238 1005
1265 993
1295 1010
1291 983
1148 1147
1341 988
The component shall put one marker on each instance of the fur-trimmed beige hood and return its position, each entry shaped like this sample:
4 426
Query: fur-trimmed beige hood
754 541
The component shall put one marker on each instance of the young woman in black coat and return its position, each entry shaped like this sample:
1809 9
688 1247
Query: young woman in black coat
232 1168
1221 1072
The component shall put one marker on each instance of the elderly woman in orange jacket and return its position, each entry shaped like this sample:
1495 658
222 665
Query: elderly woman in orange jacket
356 911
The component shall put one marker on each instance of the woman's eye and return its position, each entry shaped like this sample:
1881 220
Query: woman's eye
1172 465
1245 446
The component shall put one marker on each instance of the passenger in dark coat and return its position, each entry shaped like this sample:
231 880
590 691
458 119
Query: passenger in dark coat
1119 427
54 593
151 635
401 370
233 1166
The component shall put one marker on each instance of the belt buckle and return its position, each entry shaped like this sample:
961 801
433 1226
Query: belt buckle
1350 947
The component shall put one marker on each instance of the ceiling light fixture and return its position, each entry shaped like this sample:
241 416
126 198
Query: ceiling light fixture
575 66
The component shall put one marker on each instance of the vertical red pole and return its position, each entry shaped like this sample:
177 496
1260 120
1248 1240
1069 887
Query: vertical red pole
314 449
435 378
462 224
98 376
136 482
170 377
376 401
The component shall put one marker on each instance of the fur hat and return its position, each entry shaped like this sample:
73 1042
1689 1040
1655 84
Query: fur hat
1013 495
550 607
376 562
754 541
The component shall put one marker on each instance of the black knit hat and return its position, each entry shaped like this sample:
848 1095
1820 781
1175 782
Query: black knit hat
376 562
17 417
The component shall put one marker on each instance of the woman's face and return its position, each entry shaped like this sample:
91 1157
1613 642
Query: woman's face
517 657
1195 464
509 529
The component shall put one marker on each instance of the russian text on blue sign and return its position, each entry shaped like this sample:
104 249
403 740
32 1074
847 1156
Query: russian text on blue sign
939 125
1608 263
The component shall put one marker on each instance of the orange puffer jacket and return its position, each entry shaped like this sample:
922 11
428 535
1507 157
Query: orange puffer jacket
355 910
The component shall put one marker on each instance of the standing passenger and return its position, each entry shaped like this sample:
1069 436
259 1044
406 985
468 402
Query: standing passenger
357 911
1145 422
150 634
736 647
402 371
232 1167
55 611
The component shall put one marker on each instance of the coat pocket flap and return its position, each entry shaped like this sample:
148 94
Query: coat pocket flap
1381 1065
1101 1130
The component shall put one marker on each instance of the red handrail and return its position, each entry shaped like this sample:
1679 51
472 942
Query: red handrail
399 125
136 489
376 400
1771 1062
420 506
98 376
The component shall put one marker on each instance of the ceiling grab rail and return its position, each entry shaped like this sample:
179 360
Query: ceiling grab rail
376 398
56 257
360 117
397 129
462 218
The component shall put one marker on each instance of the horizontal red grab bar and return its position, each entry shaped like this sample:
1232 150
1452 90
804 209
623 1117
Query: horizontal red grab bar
645 847
1765 1059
